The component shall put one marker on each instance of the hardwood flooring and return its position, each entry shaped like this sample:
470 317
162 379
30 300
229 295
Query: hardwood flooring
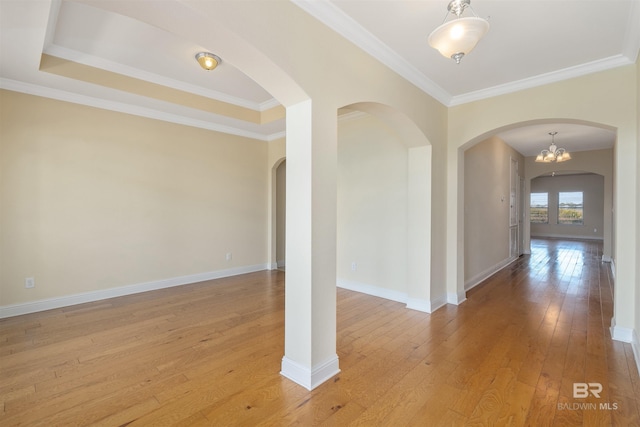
210 353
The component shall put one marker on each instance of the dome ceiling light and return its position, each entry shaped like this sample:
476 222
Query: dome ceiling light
207 60
456 38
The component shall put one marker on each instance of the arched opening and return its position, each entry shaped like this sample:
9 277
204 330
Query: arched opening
597 161
384 206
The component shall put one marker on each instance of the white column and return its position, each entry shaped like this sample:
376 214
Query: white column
310 289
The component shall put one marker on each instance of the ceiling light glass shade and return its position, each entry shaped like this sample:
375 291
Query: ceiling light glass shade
458 37
207 60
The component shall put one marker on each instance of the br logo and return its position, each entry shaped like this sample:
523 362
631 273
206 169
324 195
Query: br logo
582 390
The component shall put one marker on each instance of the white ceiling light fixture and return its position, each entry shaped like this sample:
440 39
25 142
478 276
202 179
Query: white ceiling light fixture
458 37
553 154
207 60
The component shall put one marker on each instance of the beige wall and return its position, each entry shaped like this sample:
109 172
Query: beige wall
596 161
372 205
604 99
281 217
592 187
486 207
92 200
636 338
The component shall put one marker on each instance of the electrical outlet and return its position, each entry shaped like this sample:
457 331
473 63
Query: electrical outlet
29 282
354 266
229 256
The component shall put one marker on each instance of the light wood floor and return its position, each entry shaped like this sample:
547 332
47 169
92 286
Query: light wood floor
210 353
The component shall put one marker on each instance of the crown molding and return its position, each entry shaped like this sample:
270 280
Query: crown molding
334 18
121 107
114 67
542 79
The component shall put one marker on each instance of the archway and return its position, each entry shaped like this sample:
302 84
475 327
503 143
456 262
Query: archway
599 162
384 233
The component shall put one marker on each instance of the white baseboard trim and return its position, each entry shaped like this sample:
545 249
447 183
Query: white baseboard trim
306 377
418 304
635 345
456 298
613 268
372 290
478 278
567 236
619 333
68 300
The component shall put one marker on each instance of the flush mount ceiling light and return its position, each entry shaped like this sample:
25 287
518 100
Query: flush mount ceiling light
553 154
456 38
207 60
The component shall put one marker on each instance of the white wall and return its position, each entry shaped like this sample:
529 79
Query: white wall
93 200
592 187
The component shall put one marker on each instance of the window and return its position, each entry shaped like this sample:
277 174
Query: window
539 208
570 208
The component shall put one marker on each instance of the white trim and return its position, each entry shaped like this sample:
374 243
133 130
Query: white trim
619 333
333 17
566 236
419 305
627 335
456 298
635 345
372 290
135 73
543 79
65 301
126 108
613 268
306 377
426 306
478 278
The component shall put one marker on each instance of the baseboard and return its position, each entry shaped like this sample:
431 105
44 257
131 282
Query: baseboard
309 378
568 237
627 335
418 304
619 333
456 298
68 300
613 268
479 278
635 345
372 290
426 306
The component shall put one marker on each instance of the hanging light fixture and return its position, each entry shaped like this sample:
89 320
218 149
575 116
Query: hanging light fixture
207 60
553 154
456 38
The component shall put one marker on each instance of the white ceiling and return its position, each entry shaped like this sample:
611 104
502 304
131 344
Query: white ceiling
531 42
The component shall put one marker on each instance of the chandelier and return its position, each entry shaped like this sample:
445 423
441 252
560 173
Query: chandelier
456 38
553 154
